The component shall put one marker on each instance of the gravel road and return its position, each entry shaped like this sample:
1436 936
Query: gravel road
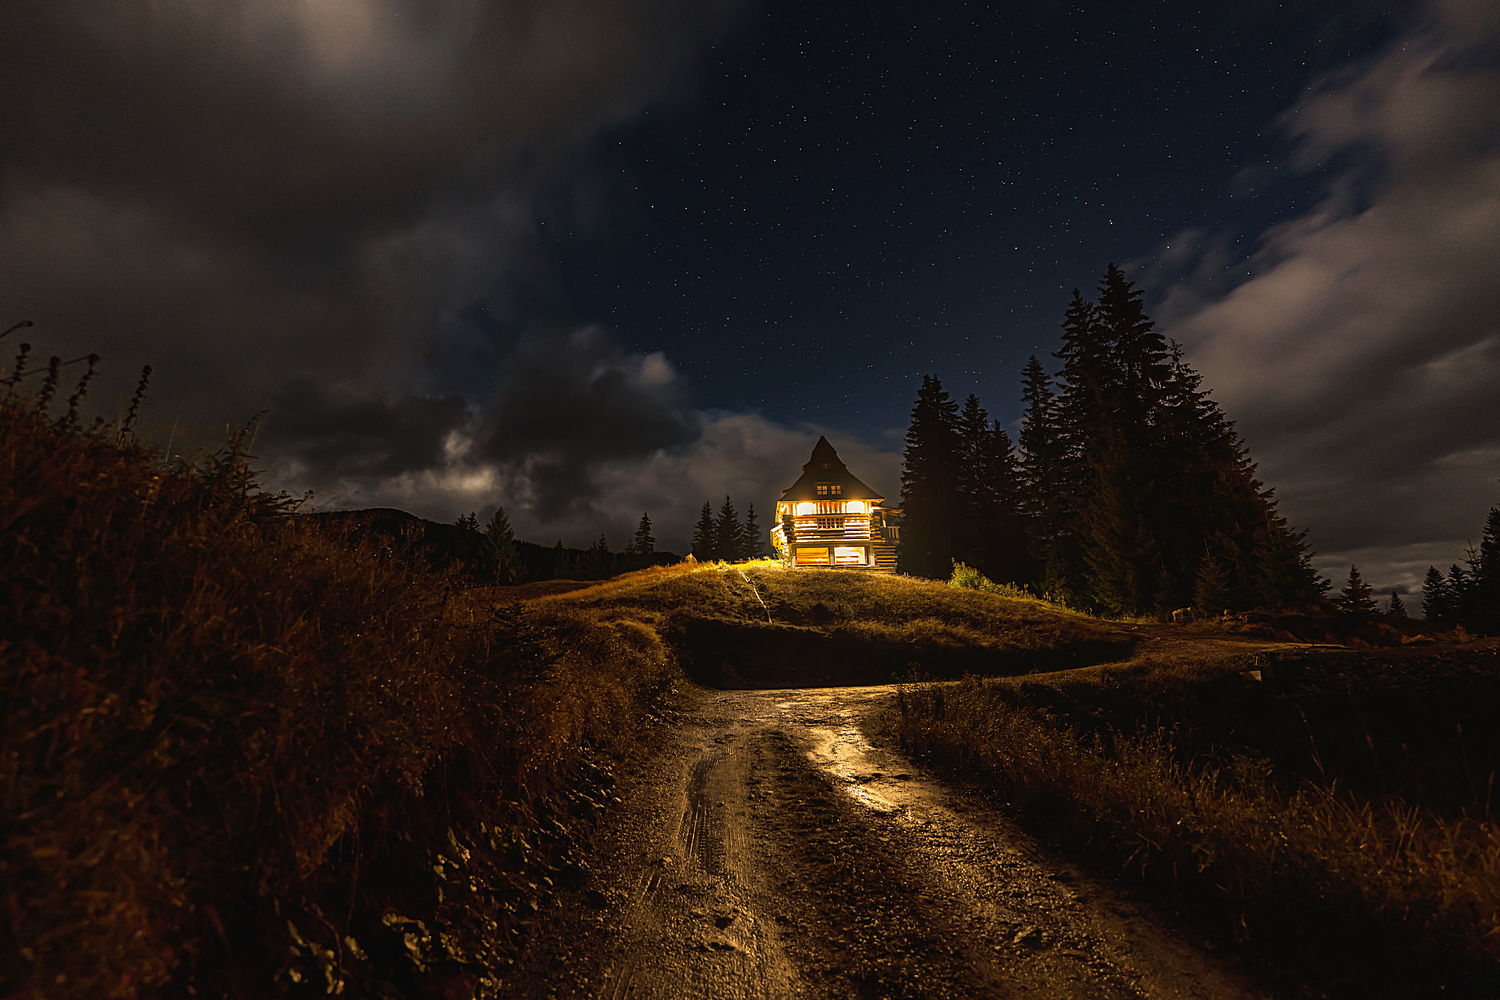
772 851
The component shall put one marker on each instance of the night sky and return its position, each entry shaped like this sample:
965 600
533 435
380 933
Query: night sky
589 258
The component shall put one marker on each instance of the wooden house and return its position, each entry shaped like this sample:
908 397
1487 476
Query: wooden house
830 518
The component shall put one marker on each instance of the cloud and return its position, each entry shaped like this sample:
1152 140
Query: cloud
333 208
1362 358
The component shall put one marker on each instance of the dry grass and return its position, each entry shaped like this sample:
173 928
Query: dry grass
1358 897
239 750
760 624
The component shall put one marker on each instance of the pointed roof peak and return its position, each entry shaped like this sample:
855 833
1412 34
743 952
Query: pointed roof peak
826 468
823 452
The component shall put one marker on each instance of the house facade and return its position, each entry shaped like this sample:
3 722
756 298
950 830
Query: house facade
830 518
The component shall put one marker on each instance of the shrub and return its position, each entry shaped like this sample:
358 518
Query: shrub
1371 898
219 716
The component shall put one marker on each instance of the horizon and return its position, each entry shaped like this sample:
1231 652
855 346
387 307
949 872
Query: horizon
627 256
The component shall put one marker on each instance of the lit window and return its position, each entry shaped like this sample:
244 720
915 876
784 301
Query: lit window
848 555
812 557
805 508
855 507
831 523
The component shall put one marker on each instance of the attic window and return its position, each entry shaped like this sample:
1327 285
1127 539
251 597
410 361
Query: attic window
830 489
825 465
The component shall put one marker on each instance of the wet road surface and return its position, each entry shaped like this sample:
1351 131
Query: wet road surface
774 852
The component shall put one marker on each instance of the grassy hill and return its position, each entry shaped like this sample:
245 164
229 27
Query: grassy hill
761 625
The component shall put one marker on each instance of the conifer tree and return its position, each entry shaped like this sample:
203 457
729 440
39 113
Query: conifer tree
1211 586
929 482
752 545
597 561
729 535
971 482
1135 477
705 545
989 532
1397 608
1004 539
1437 602
562 566
644 543
1356 598
1043 500
500 543
1104 551
1486 600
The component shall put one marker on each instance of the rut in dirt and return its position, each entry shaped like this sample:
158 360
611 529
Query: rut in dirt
793 858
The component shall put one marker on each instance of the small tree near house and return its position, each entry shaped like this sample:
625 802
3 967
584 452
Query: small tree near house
706 535
752 545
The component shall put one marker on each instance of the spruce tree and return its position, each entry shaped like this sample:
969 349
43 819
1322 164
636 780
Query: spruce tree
1397 608
500 543
1475 592
705 545
644 543
1211 586
562 566
1356 599
729 536
1459 582
971 484
1105 553
1004 539
597 561
1437 602
929 477
1486 598
752 545
1134 477
1042 498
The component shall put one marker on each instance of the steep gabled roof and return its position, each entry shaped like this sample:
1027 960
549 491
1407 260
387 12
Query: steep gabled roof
825 467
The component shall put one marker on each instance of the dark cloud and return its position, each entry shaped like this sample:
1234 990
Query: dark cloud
362 437
1362 359
569 403
306 204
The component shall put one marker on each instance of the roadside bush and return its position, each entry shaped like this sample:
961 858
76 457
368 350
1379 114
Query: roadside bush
1370 898
220 718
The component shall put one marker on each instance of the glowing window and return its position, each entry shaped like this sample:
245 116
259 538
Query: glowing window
848 555
813 557
831 523
855 507
829 489
806 508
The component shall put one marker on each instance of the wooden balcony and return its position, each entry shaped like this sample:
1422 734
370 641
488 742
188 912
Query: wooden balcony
845 530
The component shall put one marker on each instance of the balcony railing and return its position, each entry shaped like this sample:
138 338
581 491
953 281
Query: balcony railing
862 531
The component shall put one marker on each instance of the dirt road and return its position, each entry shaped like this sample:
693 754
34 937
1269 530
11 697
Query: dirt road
773 852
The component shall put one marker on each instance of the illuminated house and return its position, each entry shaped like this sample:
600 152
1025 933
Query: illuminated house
829 518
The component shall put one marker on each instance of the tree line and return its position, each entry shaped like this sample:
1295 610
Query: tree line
493 555
725 537
1468 596
1130 491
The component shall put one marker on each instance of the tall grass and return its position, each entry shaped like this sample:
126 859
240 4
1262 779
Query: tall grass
221 722
1368 898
